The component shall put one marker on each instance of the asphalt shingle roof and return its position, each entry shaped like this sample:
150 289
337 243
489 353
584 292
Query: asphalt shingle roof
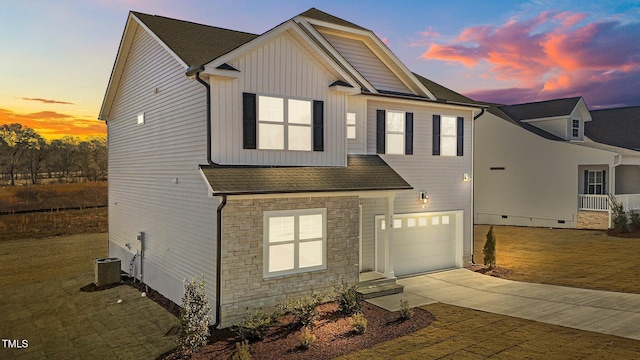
363 172
617 127
541 109
442 93
316 14
195 44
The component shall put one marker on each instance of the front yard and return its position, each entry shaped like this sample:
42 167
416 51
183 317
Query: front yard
587 259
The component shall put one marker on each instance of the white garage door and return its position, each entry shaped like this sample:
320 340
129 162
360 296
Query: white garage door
421 242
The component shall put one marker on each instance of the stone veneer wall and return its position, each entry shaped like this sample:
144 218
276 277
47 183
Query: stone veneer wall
243 287
597 220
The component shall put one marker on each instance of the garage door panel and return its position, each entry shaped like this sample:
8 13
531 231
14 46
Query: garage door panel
423 242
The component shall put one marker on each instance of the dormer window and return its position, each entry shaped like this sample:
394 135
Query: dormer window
575 128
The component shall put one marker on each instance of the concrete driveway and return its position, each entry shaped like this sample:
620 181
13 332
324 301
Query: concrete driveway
590 310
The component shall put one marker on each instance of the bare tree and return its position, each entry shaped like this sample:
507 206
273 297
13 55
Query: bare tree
34 158
15 140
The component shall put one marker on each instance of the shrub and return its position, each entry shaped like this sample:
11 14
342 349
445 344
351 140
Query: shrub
634 215
620 219
307 338
489 249
406 312
348 298
242 351
253 326
304 309
359 323
194 317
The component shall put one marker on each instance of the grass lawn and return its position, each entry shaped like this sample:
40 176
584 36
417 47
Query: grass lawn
587 259
41 302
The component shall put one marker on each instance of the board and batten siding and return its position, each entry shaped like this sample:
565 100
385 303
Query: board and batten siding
534 181
281 67
367 63
155 185
359 144
440 176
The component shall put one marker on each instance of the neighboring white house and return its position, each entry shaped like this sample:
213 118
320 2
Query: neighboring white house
280 164
534 166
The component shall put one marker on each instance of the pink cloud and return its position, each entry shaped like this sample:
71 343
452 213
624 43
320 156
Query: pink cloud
549 54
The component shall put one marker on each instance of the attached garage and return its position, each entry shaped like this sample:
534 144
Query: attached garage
421 242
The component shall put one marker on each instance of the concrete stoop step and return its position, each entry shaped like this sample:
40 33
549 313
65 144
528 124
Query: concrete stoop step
379 287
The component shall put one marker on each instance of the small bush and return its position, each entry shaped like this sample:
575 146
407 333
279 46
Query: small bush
406 312
194 317
489 249
348 298
620 219
304 309
254 326
307 338
359 323
242 351
634 215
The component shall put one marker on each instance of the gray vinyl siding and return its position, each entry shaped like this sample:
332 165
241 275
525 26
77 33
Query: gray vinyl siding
178 219
440 176
281 67
367 63
359 144
541 179
559 127
627 179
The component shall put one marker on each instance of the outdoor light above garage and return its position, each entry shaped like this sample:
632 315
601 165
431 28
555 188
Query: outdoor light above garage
424 198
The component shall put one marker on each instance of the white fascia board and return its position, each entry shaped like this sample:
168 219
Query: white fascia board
206 181
423 102
118 67
408 74
211 67
581 106
336 55
345 89
178 59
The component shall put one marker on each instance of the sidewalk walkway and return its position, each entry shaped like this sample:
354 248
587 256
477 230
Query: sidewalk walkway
590 310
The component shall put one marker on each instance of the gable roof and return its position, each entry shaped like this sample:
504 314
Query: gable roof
541 109
496 110
617 127
442 93
362 173
196 44
316 14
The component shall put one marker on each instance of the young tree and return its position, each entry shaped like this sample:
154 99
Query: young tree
194 317
489 249
34 158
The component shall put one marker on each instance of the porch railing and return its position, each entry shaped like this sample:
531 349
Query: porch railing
630 201
593 202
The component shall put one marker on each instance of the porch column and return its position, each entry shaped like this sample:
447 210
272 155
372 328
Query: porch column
388 245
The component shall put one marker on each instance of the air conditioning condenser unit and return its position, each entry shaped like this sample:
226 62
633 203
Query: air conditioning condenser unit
107 271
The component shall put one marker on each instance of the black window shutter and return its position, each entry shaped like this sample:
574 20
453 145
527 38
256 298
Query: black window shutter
460 142
408 134
318 125
586 182
249 121
604 182
436 134
380 131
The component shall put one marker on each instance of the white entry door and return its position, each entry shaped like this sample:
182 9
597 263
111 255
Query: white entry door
421 241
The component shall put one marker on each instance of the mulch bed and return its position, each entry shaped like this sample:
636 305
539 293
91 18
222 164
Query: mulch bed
634 233
335 335
497 271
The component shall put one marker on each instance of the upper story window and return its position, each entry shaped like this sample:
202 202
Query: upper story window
141 118
351 125
575 128
280 123
394 133
295 241
284 124
448 136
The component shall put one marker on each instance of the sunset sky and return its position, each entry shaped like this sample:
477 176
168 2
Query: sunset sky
57 56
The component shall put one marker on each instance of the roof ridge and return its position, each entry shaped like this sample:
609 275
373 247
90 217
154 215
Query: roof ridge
136 13
543 101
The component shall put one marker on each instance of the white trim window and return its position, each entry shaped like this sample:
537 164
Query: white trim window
575 128
595 182
284 124
395 132
351 125
295 241
448 136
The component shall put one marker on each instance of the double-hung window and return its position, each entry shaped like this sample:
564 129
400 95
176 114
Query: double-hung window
351 125
281 123
575 128
295 241
394 132
448 135
284 124
594 182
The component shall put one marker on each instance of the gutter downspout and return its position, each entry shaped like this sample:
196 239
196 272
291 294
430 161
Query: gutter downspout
473 136
195 71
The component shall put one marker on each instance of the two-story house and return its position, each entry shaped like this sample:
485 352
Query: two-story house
280 164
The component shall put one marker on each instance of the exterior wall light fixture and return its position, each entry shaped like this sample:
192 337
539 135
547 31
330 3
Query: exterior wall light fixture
466 177
424 198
